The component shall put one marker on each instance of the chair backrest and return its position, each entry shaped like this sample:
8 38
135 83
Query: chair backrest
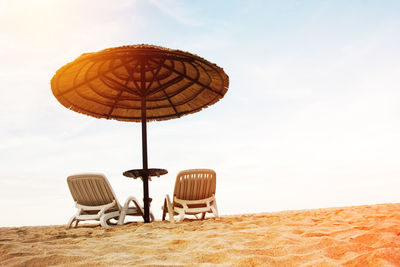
91 190
195 184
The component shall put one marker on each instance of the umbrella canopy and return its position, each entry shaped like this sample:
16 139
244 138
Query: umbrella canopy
139 83
112 83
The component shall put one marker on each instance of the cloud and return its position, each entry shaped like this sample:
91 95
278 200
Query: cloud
179 11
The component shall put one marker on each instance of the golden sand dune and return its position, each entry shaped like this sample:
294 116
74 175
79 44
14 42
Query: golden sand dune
350 236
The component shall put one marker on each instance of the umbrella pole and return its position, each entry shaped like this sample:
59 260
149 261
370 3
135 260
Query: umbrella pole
145 165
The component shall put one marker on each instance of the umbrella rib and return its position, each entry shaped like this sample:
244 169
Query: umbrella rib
91 99
86 111
208 74
180 114
193 80
97 91
181 90
169 99
130 73
88 99
125 86
90 80
155 75
181 103
167 84
222 78
165 94
115 103
172 95
85 97
100 115
197 66
170 102
189 99
77 73
129 90
133 108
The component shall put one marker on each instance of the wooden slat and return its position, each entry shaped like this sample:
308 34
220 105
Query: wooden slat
90 189
195 184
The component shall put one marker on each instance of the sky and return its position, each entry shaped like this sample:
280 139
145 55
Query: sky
311 118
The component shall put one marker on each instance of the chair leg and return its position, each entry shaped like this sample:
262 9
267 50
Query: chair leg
214 209
105 218
164 210
122 216
181 215
169 208
203 215
171 215
125 208
71 221
103 221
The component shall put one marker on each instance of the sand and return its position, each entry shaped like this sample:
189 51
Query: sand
349 236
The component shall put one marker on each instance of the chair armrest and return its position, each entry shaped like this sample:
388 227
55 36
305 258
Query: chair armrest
135 201
102 209
191 202
169 207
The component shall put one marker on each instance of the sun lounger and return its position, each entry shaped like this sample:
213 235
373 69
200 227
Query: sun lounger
95 200
194 193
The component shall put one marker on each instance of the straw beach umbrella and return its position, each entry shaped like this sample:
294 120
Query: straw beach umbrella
139 83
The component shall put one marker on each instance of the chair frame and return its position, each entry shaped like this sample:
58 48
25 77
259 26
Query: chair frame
187 206
103 215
